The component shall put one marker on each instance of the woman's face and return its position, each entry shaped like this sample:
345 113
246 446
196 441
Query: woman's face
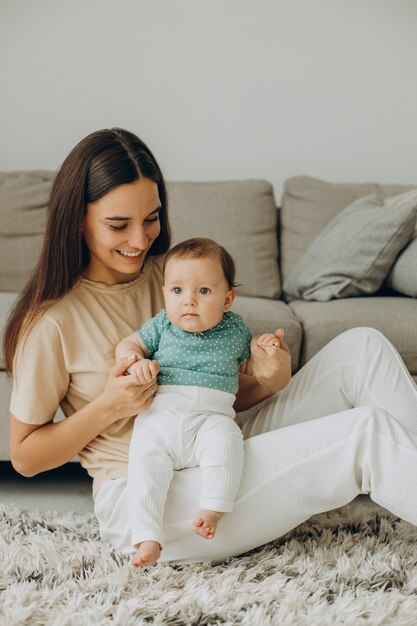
119 229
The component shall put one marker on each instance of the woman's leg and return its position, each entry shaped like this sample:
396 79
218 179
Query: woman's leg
289 475
311 466
359 367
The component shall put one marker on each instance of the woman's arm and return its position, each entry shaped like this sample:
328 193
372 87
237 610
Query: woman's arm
271 372
38 448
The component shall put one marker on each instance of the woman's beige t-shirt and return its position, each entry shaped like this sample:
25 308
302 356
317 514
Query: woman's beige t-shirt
67 356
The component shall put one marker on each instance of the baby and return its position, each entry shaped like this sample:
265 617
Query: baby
198 347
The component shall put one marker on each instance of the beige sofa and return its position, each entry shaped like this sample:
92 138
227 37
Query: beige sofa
267 244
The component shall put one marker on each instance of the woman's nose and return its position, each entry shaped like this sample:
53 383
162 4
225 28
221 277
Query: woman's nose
138 239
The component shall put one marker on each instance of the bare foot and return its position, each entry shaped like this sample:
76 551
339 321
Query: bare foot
206 523
147 553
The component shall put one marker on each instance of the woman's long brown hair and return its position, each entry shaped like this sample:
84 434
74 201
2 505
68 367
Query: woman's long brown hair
99 163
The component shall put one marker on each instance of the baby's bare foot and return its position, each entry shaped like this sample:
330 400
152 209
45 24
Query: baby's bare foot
206 523
147 553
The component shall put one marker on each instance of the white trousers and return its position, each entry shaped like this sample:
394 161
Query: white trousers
346 424
184 427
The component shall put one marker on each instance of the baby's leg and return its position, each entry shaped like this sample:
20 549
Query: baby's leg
219 452
150 472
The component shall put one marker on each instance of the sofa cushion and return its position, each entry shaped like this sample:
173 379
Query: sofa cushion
309 204
355 251
403 276
23 201
241 216
6 302
264 316
395 317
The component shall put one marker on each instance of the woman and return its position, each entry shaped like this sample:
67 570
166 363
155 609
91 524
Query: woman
350 415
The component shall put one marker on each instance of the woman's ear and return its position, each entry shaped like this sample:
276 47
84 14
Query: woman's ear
230 296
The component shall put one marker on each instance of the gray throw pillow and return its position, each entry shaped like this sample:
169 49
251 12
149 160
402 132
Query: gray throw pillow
403 276
355 251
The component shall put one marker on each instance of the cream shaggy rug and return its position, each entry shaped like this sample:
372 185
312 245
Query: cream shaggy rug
353 566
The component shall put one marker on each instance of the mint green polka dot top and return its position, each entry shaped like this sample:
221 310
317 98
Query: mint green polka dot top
208 359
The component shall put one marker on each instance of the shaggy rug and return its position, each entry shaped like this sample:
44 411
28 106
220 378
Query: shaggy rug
354 566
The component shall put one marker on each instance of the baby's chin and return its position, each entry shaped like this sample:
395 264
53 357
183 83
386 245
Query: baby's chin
192 325
193 328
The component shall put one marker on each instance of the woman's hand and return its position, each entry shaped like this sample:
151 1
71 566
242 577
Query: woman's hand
270 361
123 393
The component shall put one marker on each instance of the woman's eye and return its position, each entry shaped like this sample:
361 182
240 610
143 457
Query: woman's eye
153 219
204 291
112 227
176 290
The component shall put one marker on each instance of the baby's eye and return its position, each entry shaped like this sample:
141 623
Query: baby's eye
176 290
204 291
112 227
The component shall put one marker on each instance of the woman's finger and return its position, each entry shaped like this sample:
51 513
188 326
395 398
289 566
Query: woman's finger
122 366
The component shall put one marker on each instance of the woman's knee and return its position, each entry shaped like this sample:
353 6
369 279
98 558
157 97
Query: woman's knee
364 333
362 337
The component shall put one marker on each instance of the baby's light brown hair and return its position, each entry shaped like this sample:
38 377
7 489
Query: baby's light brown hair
202 248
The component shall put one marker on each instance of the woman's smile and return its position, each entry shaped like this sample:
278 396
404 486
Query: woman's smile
131 257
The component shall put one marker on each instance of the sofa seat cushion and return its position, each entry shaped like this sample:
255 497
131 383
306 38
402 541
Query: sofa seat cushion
263 316
395 317
6 302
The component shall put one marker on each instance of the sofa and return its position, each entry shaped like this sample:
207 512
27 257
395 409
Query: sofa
268 243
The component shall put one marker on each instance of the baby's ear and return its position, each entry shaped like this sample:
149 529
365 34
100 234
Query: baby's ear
230 296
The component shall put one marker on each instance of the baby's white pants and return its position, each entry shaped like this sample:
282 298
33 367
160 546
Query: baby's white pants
184 427
346 424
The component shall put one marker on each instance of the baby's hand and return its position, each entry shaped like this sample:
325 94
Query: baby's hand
145 370
268 342
270 363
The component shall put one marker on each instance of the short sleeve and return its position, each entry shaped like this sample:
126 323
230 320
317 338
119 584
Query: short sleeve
247 336
40 376
151 331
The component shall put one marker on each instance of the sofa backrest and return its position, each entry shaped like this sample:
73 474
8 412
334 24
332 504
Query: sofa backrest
23 201
240 215
309 204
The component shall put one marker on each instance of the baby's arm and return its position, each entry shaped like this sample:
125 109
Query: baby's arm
144 368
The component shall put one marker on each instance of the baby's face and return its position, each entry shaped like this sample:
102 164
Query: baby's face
196 293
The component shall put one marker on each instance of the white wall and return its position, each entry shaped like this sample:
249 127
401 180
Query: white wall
220 89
